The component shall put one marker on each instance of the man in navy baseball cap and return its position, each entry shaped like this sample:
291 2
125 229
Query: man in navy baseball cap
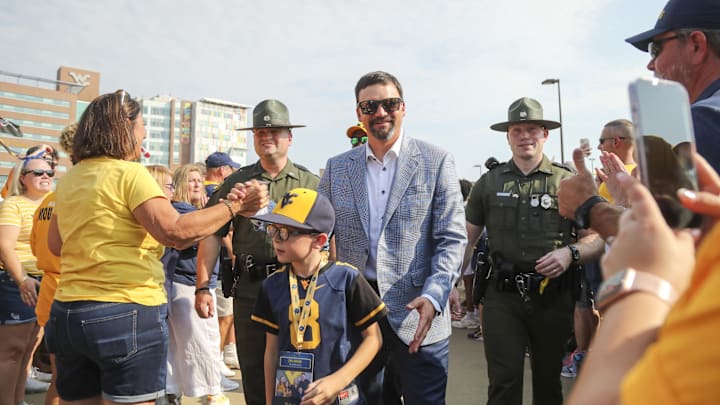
684 46
219 159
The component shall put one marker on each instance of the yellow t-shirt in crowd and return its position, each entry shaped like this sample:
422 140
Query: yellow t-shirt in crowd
603 190
18 211
682 366
107 255
46 261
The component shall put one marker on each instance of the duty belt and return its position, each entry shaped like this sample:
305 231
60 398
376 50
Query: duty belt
255 270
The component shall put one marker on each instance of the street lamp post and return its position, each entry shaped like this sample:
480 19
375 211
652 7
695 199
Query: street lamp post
481 167
562 145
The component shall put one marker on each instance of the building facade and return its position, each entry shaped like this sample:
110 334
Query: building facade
42 108
178 131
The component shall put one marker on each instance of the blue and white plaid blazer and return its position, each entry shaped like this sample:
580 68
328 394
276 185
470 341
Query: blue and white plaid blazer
422 239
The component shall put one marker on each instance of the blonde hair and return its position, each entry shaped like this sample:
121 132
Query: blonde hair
180 181
160 173
15 186
66 138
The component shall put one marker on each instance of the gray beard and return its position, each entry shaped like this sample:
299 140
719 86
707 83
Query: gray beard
381 135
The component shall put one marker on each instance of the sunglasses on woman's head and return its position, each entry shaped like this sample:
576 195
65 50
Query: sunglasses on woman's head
356 141
40 172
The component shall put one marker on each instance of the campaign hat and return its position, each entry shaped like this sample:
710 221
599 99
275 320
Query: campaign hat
271 114
525 110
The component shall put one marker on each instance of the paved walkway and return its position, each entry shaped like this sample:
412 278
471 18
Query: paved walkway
467 383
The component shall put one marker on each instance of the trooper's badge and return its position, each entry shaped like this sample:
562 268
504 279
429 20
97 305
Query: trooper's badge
546 201
534 200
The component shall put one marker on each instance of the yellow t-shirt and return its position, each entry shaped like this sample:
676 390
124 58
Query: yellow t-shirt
46 261
18 211
107 255
682 367
603 190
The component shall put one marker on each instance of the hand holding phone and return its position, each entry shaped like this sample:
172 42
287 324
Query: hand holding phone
664 145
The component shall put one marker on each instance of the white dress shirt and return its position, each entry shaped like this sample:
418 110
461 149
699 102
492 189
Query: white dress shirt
380 176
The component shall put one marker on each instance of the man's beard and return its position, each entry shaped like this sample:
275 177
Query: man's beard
380 134
678 72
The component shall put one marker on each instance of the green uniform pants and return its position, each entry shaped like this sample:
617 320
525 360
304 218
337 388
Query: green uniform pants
509 325
250 338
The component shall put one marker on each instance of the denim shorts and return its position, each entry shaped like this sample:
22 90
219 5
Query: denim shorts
12 309
117 350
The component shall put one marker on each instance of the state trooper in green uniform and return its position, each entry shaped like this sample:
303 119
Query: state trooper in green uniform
254 254
535 256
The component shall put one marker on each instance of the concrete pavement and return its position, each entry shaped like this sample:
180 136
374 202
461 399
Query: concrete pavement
467 381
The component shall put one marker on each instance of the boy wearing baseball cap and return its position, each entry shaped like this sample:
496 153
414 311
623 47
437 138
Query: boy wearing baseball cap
320 317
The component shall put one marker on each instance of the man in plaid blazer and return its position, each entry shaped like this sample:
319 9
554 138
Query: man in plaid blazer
400 220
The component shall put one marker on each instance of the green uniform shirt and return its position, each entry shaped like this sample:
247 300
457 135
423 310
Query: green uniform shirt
249 237
520 211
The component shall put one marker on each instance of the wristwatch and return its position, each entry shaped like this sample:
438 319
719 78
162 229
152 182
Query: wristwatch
574 253
582 213
630 281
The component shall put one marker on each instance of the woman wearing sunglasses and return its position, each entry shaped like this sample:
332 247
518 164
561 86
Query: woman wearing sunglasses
31 180
107 325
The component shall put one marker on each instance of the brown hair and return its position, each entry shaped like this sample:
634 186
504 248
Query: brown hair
106 128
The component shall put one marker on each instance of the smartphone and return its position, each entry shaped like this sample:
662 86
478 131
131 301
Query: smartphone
585 146
664 145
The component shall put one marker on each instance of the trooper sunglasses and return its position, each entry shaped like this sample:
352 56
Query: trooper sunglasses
389 105
40 172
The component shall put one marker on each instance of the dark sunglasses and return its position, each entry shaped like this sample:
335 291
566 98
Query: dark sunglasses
602 140
655 47
389 105
356 141
285 233
40 172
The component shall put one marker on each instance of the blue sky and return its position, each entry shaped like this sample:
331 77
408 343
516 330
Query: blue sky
461 63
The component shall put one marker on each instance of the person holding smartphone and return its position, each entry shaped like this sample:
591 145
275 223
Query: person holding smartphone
684 46
660 306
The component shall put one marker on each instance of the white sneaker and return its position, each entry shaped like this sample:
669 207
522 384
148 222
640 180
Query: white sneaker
226 372
40 376
469 321
218 399
228 384
230 356
33 386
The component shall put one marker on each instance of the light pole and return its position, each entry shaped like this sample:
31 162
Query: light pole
479 166
562 145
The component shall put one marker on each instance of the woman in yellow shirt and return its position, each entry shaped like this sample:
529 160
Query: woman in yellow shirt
31 180
107 326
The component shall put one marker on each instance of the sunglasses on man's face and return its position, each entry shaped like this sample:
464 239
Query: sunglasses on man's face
358 141
656 46
40 172
389 105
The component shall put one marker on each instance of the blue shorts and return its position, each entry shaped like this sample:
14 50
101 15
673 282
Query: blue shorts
12 309
117 350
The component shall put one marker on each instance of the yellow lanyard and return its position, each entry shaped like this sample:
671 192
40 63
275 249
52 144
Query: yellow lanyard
300 314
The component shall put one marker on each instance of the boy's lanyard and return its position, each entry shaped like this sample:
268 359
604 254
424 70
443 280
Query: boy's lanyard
300 315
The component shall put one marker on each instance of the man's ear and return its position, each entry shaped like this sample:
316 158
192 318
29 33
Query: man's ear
699 42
